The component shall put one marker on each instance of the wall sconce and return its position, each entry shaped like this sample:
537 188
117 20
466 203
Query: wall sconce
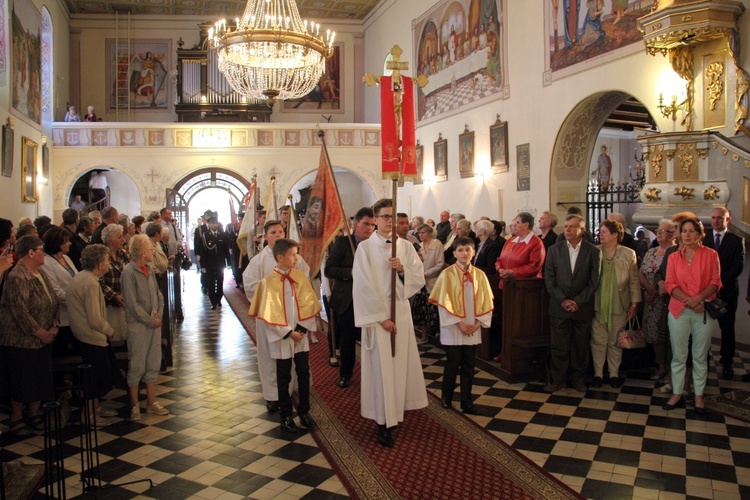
671 110
203 99
243 100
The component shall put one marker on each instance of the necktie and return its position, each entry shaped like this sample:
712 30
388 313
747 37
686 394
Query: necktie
718 241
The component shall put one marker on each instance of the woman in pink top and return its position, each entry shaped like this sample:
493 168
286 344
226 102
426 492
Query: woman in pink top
693 276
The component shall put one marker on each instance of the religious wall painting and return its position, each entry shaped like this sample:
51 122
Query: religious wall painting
26 84
499 146
28 179
7 154
138 77
327 95
466 153
441 159
461 46
580 34
420 165
45 162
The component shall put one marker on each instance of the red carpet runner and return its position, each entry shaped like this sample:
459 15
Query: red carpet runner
437 453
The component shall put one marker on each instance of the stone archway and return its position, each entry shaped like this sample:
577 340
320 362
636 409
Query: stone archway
574 148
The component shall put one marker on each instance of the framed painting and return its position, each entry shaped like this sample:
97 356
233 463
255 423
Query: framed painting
26 48
420 165
466 153
7 150
326 96
578 38
28 179
138 76
499 146
441 159
462 47
45 163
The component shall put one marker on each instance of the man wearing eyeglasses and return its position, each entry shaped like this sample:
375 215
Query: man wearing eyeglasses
391 383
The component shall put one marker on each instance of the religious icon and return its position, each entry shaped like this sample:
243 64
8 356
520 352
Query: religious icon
441 159
466 153
499 146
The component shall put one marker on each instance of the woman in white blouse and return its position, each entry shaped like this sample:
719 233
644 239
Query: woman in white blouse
425 314
59 270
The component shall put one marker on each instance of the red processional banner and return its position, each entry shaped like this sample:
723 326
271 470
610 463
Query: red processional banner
392 151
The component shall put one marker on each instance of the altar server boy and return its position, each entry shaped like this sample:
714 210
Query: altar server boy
464 297
285 306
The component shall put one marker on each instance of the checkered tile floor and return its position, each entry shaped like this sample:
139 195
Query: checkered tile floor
219 441
465 91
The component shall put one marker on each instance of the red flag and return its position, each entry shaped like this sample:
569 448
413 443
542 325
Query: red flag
323 216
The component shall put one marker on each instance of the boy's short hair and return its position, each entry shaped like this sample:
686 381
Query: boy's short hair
463 242
269 223
282 246
381 204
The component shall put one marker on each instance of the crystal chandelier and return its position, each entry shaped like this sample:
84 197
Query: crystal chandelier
271 53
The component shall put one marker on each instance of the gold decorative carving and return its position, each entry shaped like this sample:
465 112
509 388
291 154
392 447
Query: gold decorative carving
714 144
702 153
743 83
656 164
724 150
670 154
686 193
681 58
663 43
686 163
715 85
736 157
711 193
747 163
652 194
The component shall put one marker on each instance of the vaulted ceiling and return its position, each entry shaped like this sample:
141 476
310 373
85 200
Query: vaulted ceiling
308 9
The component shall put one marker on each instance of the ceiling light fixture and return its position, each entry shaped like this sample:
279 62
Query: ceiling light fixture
270 53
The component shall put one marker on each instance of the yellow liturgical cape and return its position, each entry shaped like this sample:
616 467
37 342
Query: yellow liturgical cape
269 300
448 292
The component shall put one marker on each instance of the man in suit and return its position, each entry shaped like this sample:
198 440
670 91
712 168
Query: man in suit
488 250
339 269
198 247
214 259
571 275
110 215
731 249
80 241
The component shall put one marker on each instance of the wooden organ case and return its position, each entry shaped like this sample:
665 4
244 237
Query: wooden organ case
204 95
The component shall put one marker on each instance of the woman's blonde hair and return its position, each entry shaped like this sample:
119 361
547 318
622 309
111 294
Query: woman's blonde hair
139 244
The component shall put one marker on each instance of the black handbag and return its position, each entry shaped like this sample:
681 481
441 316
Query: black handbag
716 308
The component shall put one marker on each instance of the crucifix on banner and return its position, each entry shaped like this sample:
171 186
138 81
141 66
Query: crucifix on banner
398 138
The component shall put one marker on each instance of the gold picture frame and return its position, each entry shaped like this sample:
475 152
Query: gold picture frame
420 164
466 153
441 159
28 179
499 146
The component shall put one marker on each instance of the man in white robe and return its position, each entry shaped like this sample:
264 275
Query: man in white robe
258 268
390 384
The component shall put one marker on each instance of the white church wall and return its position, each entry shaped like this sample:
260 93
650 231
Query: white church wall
534 112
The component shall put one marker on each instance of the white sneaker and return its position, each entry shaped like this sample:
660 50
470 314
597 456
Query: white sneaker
135 413
157 409
106 412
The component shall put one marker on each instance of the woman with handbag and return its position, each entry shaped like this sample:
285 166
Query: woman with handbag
693 276
617 301
653 305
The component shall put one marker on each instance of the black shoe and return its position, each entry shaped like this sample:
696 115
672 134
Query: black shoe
213 307
385 438
596 383
344 382
728 372
288 425
470 409
700 410
272 406
615 382
218 305
306 421
446 402
679 404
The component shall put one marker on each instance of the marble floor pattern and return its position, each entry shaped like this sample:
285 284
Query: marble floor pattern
219 442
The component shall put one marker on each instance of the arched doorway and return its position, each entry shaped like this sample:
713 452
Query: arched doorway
124 193
354 191
210 178
598 120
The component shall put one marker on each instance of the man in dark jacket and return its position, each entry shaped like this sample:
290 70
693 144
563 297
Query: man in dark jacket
339 269
214 254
